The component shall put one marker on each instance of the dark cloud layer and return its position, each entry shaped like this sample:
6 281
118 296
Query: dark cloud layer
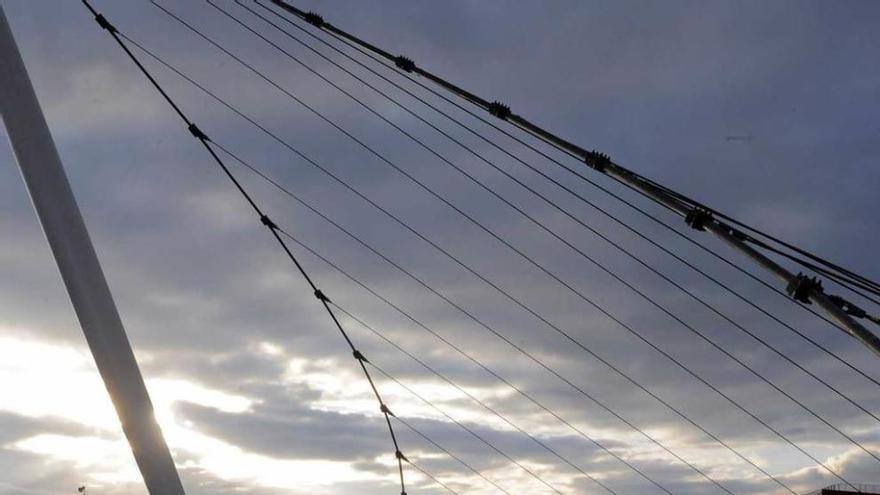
766 111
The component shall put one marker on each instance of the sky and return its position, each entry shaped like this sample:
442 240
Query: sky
766 111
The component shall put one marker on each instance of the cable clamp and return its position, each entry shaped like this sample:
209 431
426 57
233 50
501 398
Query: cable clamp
321 297
400 456
195 131
800 287
499 109
360 357
384 409
314 19
404 64
104 23
848 307
265 220
698 218
597 161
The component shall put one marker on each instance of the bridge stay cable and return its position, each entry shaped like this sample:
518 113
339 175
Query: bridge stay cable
549 273
313 209
568 189
701 217
568 214
208 145
580 345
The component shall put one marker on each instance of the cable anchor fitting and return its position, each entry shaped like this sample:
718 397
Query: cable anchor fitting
499 110
265 220
597 161
698 218
404 64
360 357
384 409
104 23
314 19
195 131
400 456
321 297
800 287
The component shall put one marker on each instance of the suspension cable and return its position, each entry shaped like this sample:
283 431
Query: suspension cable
467 429
516 301
568 189
568 214
208 144
665 197
327 219
537 265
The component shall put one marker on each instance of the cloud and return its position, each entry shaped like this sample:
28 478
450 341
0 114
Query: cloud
254 387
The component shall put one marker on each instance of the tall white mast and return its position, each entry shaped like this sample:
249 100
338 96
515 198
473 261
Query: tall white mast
69 240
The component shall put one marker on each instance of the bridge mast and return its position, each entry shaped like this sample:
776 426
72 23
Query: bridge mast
72 248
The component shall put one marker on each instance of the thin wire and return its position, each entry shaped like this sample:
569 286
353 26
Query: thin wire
489 408
521 349
431 476
537 265
317 212
443 449
462 426
327 302
548 177
569 215
480 364
594 184
314 210
207 144
501 291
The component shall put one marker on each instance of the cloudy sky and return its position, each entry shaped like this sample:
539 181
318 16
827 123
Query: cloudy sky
765 110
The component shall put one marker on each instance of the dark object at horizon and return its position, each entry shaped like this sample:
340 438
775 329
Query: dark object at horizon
842 489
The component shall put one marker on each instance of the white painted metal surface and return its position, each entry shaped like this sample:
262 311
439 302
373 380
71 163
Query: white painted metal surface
69 240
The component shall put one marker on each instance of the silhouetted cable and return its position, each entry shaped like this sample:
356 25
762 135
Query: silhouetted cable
519 348
541 173
443 449
568 214
497 288
325 218
311 208
464 427
206 142
343 37
542 268
495 412
431 477
476 361
503 112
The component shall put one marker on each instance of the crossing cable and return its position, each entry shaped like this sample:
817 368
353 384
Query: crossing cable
496 287
503 112
492 410
537 265
289 236
363 360
558 208
446 451
465 428
265 220
431 476
505 339
578 195
485 367
675 202
855 288
287 192
586 179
